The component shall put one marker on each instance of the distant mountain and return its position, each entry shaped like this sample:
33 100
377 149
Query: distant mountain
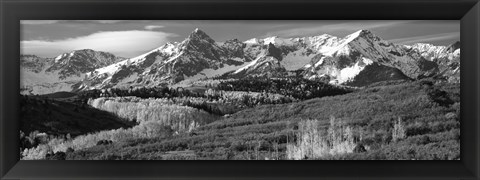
447 58
358 59
352 54
81 61
340 60
34 63
47 75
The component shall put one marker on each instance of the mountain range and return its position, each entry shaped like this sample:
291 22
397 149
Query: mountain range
46 75
358 59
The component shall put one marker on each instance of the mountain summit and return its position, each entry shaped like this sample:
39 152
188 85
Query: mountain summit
199 34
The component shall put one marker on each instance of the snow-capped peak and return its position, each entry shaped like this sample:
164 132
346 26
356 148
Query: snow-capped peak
322 43
198 33
425 48
363 32
72 53
60 57
319 37
169 48
432 52
111 69
278 41
272 40
275 40
453 47
423 45
360 34
252 41
196 36
358 40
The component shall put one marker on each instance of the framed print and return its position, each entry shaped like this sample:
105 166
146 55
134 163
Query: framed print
228 89
348 96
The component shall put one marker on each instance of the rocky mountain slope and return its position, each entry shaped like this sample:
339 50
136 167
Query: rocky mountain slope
447 58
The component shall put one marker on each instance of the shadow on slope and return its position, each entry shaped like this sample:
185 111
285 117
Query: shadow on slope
56 117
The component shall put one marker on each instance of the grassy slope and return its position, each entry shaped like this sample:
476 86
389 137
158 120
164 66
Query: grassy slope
430 113
59 118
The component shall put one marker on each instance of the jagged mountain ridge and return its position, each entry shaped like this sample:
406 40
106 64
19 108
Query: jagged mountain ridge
447 58
81 61
329 58
46 75
169 64
339 60
362 48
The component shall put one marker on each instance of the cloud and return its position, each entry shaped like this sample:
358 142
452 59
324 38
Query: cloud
122 43
106 21
427 38
334 29
152 27
36 22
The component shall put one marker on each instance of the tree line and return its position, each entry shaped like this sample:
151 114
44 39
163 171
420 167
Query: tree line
298 88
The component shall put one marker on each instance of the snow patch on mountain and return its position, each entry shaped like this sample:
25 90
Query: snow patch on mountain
108 70
252 41
60 57
348 73
320 62
273 39
209 73
128 80
455 54
295 61
250 64
430 51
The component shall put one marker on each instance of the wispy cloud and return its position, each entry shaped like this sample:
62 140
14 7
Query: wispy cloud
338 28
428 38
152 27
122 43
36 22
107 21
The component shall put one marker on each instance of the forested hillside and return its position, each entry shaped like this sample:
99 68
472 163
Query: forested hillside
388 120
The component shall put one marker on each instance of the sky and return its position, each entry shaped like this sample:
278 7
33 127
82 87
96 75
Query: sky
130 38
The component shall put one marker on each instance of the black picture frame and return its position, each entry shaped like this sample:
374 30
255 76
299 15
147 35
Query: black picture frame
12 11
